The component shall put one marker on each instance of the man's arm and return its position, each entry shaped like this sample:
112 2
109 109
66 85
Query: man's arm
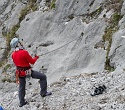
29 58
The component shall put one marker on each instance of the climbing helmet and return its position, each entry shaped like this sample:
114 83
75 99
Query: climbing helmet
14 42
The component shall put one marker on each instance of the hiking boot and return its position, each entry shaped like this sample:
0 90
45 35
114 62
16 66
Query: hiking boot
23 104
47 94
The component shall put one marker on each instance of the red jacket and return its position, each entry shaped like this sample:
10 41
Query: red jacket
22 58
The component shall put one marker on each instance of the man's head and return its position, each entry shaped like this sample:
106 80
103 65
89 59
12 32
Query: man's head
15 42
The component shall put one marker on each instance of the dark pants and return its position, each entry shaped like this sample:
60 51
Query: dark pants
36 75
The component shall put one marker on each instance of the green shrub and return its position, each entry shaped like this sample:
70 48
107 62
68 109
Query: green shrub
6 79
9 35
96 12
108 37
52 4
116 18
7 67
28 8
23 13
1 63
33 1
34 7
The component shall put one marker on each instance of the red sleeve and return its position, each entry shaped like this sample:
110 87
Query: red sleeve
12 56
29 59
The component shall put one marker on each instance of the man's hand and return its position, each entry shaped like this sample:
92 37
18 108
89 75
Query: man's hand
37 56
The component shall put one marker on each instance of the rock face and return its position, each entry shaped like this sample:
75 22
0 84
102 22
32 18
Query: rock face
62 25
80 46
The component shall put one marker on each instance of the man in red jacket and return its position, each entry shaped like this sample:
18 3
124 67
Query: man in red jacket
23 61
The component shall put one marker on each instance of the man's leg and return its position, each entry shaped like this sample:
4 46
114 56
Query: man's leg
22 84
43 81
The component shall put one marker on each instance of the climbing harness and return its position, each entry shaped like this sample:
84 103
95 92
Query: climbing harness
23 72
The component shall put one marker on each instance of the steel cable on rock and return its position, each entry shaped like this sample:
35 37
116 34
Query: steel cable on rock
62 46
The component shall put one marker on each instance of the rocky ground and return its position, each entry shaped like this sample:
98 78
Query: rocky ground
71 93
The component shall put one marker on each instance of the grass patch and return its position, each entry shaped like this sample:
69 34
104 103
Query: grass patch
23 13
8 79
9 35
93 15
7 67
1 63
33 1
96 12
116 18
108 37
27 9
52 5
114 4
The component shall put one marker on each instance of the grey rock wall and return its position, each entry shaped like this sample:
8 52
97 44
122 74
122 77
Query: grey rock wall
56 26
